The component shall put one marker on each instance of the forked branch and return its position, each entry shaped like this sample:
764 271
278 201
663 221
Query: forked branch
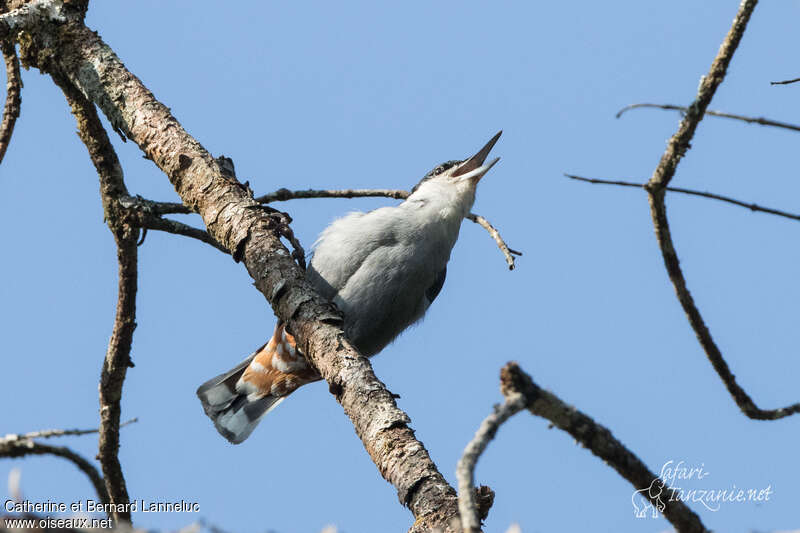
656 187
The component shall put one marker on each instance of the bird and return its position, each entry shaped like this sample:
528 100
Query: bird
383 269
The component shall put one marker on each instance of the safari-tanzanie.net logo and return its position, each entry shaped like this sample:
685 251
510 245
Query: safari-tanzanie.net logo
691 484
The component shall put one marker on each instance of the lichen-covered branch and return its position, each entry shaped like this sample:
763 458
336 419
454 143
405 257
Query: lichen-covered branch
13 95
600 441
691 192
657 186
126 235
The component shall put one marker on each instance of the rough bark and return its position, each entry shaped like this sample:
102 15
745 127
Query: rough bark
252 235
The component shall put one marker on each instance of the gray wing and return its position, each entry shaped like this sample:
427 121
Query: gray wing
343 247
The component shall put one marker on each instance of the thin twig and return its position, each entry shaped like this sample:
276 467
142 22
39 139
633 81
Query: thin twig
147 215
282 195
126 234
507 252
784 82
179 228
465 471
50 433
601 442
656 187
692 192
159 208
750 120
13 98
14 446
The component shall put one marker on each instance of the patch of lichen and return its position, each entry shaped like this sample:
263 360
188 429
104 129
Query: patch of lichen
34 54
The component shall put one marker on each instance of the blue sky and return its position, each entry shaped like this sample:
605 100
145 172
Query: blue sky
336 95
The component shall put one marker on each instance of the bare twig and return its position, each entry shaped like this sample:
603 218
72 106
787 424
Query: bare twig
692 192
19 446
600 441
509 253
784 82
465 471
656 187
156 208
750 120
282 195
13 98
50 433
179 228
126 235
147 215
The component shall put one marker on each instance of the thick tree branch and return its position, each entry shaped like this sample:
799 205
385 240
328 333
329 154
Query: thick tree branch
750 120
691 192
13 98
599 440
234 219
656 187
126 235
14 446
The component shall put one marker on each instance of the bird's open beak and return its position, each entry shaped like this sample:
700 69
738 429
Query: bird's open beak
473 168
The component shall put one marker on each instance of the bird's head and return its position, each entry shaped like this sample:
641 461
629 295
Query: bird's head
454 182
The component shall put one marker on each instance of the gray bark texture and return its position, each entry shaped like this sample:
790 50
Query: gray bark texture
55 40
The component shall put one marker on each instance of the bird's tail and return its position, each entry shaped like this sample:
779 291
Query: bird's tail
238 399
